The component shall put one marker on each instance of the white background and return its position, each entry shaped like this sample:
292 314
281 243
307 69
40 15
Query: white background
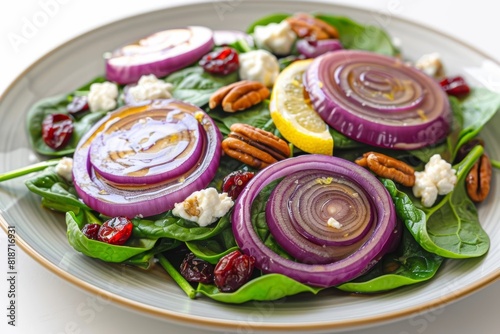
48 304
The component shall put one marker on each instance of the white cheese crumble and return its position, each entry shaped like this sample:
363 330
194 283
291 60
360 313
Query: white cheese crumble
204 207
102 96
64 168
259 65
275 37
430 64
332 222
149 87
438 178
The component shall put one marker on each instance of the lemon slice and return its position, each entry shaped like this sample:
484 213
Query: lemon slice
294 116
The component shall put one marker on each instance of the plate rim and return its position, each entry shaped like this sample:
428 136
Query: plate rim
187 319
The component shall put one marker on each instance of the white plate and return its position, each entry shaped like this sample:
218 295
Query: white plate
43 236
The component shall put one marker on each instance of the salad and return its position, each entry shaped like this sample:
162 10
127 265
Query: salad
290 158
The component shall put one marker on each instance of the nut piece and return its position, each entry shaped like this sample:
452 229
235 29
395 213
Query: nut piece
478 179
254 147
305 25
240 95
388 167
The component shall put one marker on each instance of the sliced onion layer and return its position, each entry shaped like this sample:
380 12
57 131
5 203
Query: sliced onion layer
377 240
141 160
160 54
315 48
378 100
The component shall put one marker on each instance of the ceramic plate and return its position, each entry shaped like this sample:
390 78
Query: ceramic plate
42 233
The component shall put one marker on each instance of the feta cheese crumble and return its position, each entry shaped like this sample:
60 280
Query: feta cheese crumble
102 96
259 65
149 87
438 178
275 37
332 222
64 168
204 207
430 64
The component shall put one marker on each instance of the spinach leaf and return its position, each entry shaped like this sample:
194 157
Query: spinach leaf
353 35
451 227
56 192
146 259
264 288
410 264
194 85
258 116
102 250
472 114
177 228
57 105
211 250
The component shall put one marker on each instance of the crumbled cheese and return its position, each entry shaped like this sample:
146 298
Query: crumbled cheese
64 168
332 222
275 37
102 96
204 207
430 64
438 178
149 87
259 65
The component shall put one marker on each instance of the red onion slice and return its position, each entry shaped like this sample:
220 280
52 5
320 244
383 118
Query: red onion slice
146 199
378 100
379 241
146 148
300 207
160 54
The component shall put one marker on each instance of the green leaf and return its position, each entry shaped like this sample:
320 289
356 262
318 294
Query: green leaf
356 36
451 227
264 288
258 116
177 228
211 250
102 250
264 21
410 264
194 85
54 188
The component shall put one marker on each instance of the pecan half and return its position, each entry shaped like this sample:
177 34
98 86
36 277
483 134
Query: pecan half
478 179
253 146
305 25
388 167
240 95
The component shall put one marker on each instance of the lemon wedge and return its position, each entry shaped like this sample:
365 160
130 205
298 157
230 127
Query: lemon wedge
293 114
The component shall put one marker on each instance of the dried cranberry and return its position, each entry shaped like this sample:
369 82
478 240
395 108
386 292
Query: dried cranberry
234 182
115 231
466 148
91 230
221 62
57 130
78 104
455 86
194 269
233 270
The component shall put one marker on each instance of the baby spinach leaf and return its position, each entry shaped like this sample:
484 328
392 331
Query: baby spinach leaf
264 288
473 113
58 193
194 85
56 105
211 250
354 35
451 227
258 116
146 259
410 264
177 228
102 250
